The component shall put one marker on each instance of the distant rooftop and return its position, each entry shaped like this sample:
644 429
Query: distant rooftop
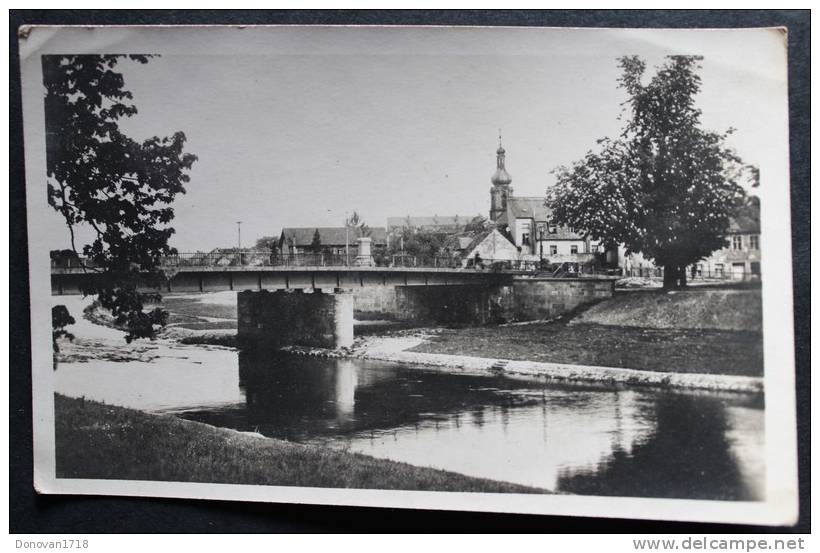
432 221
330 236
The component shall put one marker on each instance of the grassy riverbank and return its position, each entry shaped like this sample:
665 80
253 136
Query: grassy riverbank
666 350
698 331
108 442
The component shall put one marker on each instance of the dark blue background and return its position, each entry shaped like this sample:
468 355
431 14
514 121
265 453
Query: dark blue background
30 512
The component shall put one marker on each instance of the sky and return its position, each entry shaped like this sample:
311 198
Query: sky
300 126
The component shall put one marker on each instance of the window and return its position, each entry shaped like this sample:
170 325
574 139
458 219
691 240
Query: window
573 249
737 242
755 266
553 249
754 242
718 269
525 239
699 269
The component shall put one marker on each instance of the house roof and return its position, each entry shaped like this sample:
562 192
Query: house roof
432 221
481 236
533 207
329 236
528 208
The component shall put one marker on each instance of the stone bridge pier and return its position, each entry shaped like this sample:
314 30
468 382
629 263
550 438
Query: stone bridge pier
315 318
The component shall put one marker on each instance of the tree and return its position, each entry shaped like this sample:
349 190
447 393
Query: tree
419 243
267 243
476 224
666 187
120 188
316 243
60 318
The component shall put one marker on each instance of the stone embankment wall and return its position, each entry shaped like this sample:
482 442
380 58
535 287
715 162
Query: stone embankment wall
464 304
375 302
526 299
545 298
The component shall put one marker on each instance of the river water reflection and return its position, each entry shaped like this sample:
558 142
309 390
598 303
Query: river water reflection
631 442
602 441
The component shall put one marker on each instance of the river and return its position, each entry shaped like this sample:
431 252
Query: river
573 439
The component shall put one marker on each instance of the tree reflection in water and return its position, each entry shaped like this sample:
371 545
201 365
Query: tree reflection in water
576 439
687 456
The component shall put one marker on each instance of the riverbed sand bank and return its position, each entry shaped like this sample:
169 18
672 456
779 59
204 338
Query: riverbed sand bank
399 349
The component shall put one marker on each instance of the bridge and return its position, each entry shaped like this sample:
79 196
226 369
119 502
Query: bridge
310 300
246 271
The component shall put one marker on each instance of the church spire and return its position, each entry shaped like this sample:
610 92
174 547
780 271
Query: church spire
501 188
501 177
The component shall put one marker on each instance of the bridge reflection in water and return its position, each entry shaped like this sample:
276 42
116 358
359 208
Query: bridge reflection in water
564 438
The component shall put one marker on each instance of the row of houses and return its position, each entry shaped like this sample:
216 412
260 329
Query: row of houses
518 229
528 225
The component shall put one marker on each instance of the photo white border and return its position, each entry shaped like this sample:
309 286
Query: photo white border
781 504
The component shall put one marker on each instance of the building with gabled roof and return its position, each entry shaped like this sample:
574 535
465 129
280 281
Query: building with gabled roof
335 240
490 246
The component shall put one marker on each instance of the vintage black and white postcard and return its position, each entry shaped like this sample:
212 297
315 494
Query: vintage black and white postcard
527 270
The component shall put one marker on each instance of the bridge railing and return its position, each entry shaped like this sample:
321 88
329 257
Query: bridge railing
698 274
267 259
251 258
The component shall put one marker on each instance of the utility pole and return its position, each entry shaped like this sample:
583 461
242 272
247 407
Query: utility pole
239 241
347 240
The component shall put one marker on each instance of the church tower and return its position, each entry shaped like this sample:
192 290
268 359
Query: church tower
501 189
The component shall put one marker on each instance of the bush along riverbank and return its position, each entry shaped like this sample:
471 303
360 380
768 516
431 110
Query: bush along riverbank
100 441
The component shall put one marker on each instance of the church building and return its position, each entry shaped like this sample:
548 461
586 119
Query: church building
527 221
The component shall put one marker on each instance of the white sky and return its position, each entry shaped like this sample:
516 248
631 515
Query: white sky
294 127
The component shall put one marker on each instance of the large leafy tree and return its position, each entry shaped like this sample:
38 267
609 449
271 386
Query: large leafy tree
665 187
120 188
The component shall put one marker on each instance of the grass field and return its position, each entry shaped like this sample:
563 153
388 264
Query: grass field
107 442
